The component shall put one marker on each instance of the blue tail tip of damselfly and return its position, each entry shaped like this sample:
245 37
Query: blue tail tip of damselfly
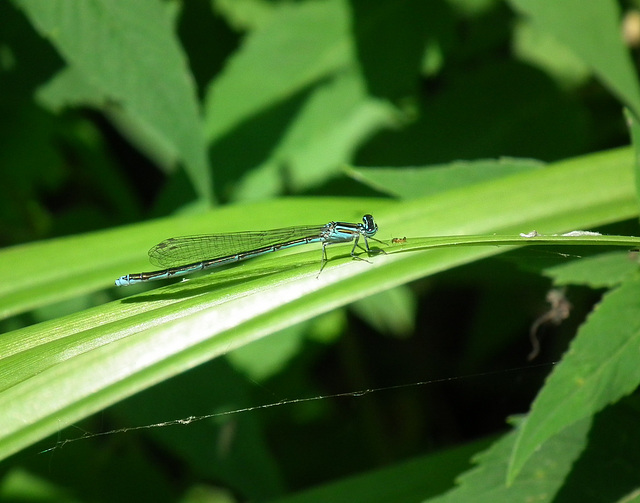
123 281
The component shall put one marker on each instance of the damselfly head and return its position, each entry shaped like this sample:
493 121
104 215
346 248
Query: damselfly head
370 227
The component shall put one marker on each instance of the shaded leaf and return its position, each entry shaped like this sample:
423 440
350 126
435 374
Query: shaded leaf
540 481
128 57
592 31
601 271
600 367
300 44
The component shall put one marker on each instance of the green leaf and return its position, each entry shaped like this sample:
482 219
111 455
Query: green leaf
301 43
392 311
540 480
334 120
452 123
542 49
602 271
582 192
18 483
569 467
69 88
600 367
405 482
634 130
245 14
127 57
59 371
607 470
592 31
408 183
266 357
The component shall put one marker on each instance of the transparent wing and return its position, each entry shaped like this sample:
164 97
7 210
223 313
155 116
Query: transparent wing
174 252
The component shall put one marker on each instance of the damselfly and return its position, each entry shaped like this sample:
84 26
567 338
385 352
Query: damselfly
185 255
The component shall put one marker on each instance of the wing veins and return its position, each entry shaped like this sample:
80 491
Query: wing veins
184 250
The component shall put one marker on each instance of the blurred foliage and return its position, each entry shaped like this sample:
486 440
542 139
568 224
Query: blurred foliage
119 112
